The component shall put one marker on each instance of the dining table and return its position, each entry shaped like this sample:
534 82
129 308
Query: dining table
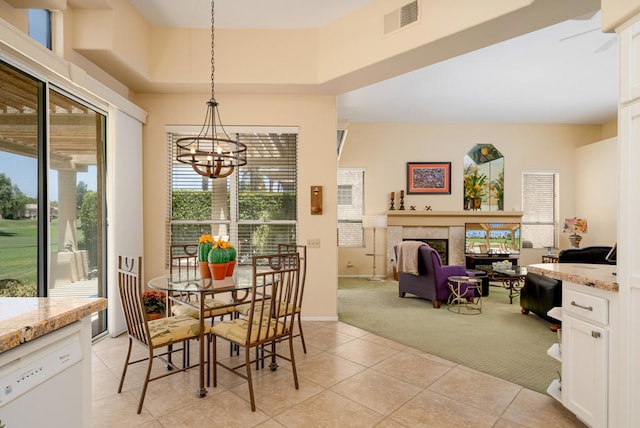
188 288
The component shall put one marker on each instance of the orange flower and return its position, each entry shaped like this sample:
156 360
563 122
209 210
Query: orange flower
204 239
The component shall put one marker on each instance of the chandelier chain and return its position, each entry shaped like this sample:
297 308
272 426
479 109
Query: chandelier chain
213 44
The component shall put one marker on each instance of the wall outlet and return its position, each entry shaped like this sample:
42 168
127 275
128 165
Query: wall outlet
313 243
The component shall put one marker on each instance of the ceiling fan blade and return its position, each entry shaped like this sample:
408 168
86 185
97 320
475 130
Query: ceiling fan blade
606 45
579 34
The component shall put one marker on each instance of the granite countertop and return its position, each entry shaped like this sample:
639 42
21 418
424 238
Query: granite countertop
26 318
592 275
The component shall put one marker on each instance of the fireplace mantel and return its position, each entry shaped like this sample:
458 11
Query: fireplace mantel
450 218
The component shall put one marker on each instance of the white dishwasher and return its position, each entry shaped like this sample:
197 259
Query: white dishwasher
44 382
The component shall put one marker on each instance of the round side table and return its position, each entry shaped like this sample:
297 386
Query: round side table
458 303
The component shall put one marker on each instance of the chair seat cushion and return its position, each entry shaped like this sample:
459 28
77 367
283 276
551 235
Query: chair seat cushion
284 311
168 330
236 330
213 308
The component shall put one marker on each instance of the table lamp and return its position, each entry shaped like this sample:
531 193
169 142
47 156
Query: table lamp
573 226
374 222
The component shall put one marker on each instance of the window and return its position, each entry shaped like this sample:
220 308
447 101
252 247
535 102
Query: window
255 207
40 26
350 207
540 205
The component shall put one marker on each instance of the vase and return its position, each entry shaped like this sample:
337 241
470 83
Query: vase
154 316
476 203
205 272
218 270
575 239
230 267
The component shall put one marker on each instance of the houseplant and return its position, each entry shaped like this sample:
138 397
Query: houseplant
497 186
155 303
219 259
205 243
231 251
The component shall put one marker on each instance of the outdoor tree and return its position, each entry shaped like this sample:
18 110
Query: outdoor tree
81 189
12 200
89 226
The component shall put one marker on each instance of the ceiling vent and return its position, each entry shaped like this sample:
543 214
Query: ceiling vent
402 17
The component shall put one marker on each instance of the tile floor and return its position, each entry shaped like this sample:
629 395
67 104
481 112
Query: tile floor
349 377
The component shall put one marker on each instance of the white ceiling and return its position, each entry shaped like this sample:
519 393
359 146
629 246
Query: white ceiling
566 73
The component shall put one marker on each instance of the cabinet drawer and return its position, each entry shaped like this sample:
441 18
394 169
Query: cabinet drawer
585 306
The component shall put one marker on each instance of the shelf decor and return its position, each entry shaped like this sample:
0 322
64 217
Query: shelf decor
429 178
575 225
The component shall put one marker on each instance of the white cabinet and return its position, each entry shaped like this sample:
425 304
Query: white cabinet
585 370
585 352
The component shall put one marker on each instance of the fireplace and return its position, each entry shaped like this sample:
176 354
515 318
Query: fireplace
440 245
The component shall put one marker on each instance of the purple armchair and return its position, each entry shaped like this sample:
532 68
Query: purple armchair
431 283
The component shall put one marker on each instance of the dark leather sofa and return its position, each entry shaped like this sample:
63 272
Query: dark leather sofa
540 293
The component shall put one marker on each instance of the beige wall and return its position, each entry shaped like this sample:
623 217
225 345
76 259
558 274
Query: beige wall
384 149
315 117
596 191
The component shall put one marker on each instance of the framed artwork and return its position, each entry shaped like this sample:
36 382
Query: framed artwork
429 178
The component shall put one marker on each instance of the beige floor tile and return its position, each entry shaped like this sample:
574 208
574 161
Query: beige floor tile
326 339
385 342
389 423
173 392
328 409
363 352
532 409
431 357
327 369
118 410
476 389
377 391
275 391
429 409
348 378
103 384
225 409
412 368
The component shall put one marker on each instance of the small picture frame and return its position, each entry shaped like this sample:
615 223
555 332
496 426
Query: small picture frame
432 178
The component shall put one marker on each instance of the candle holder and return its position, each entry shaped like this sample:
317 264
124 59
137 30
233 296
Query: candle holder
401 200
393 196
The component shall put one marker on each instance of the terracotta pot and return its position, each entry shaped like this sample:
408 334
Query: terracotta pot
218 270
230 267
154 316
204 270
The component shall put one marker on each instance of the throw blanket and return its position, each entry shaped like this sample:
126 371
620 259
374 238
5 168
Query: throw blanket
408 256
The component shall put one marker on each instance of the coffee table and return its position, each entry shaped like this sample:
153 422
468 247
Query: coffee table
512 279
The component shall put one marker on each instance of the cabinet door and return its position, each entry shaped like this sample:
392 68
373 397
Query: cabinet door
584 363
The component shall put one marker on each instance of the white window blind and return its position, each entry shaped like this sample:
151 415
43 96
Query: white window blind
350 207
256 206
539 205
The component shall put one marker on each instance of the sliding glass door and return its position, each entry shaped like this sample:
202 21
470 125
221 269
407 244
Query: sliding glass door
52 212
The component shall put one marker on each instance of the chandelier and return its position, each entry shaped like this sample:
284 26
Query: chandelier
212 153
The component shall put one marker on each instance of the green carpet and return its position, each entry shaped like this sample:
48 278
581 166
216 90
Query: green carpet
500 341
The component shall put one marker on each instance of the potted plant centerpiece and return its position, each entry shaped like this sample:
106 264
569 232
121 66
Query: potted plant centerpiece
155 303
231 251
205 243
219 259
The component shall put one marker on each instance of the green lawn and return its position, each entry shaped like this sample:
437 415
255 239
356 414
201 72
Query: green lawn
19 250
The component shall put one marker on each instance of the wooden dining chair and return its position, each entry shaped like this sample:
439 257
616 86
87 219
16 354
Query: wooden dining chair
279 276
156 334
244 308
